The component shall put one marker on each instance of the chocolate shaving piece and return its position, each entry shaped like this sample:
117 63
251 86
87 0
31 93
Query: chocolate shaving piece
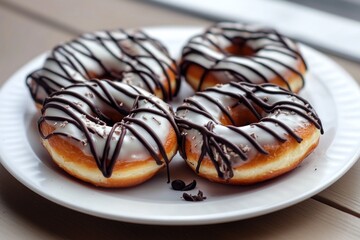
178 185
190 186
194 198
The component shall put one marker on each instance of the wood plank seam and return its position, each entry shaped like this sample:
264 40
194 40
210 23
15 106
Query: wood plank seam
336 205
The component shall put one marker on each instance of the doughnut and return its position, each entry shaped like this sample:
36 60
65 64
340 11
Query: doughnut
228 52
241 133
108 133
128 56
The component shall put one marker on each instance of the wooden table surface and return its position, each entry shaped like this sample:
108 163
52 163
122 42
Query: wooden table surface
28 28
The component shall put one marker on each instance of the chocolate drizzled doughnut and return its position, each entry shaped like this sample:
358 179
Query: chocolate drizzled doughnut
129 56
228 52
230 130
112 124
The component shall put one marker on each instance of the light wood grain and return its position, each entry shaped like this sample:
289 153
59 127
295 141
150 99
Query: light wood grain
90 15
344 193
22 40
353 68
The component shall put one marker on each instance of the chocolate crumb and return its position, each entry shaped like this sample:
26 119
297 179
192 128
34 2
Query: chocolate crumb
63 124
177 185
253 135
157 121
190 186
84 142
194 198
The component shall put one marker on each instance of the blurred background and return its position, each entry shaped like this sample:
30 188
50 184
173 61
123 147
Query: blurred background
331 26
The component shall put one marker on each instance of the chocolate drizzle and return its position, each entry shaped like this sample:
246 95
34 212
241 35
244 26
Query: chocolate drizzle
279 114
121 55
272 55
81 112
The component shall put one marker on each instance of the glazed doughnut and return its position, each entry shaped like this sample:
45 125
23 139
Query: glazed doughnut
241 133
229 52
129 56
108 133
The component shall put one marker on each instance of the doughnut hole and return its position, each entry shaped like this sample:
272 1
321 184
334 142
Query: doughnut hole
111 75
113 116
242 116
239 47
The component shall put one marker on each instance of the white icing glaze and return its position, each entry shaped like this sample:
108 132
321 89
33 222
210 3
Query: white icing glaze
125 55
274 55
270 102
64 118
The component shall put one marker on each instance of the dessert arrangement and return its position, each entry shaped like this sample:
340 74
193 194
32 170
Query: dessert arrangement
107 119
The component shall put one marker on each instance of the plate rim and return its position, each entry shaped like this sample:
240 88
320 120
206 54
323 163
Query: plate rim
184 220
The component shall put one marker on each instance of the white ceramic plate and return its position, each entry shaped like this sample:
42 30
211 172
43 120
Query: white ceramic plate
332 92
